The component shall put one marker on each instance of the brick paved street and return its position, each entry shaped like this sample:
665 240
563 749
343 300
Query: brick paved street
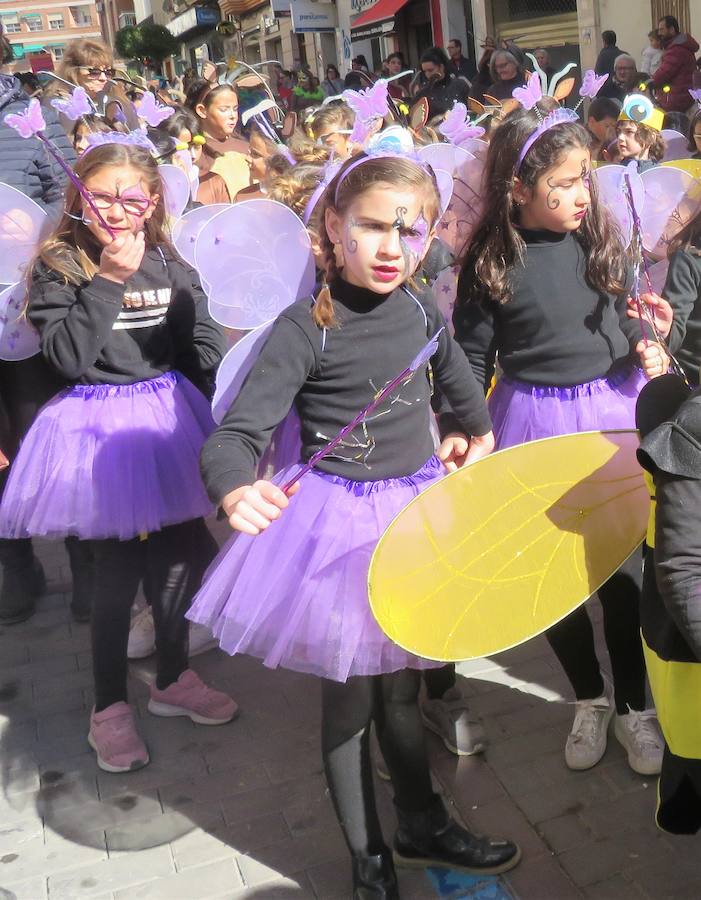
241 810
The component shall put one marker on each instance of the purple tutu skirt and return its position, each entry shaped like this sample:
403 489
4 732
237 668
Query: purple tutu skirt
523 412
296 595
110 461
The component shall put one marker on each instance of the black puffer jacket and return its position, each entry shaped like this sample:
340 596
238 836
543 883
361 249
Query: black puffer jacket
25 164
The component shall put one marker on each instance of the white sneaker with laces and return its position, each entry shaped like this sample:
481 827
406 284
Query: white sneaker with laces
586 742
449 718
142 637
640 736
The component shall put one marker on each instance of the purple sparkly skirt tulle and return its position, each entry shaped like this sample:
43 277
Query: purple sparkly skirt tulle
296 595
524 412
110 461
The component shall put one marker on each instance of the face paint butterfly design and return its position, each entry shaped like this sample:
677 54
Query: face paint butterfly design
457 128
153 112
77 105
529 94
415 242
28 123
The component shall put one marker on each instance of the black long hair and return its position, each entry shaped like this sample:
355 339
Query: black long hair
497 246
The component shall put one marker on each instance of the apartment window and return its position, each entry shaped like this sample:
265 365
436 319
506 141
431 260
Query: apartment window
80 16
12 27
126 19
57 52
35 24
56 23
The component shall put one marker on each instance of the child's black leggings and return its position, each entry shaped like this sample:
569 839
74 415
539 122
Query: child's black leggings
390 701
572 639
171 563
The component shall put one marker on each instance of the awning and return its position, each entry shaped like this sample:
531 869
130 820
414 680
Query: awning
33 48
378 12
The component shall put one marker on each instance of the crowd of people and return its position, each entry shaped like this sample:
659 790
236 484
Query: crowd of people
112 447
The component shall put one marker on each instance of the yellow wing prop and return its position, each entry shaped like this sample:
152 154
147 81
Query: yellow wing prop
499 551
692 166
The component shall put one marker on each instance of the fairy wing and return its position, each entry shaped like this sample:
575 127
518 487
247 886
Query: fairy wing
256 258
672 200
460 219
611 186
187 228
176 189
676 145
22 225
18 339
234 368
445 292
499 551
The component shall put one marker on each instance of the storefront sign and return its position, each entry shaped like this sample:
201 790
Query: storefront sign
308 15
195 17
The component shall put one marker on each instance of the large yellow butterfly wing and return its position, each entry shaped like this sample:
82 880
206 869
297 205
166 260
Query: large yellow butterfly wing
499 551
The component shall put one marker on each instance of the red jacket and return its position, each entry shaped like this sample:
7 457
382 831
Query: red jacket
677 71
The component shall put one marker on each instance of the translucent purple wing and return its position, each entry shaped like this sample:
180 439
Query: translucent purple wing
234 368
23 223
591 84
176 189
676 145
18 339
256 258
658 275
185 231
612 194
445 291
444 180
672 199
460 218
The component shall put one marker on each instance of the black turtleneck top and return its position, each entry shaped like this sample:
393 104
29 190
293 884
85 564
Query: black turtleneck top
555 329
329 375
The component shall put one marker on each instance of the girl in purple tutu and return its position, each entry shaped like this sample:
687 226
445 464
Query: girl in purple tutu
113 458
292 587
543 289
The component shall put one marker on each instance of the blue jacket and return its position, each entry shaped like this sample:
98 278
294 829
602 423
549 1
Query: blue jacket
25 163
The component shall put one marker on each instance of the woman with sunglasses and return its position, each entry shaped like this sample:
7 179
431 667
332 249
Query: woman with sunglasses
88 63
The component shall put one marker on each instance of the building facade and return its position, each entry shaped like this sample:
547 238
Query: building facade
39 32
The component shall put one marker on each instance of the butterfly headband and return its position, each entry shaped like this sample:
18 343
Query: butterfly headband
369 105
529 95
381 152
133 139
457 127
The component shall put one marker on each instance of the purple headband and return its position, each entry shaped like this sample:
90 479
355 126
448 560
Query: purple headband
382 154
557 117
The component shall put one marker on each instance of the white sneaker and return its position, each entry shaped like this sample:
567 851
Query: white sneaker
450 719
640 736
142 637
201 639
586 743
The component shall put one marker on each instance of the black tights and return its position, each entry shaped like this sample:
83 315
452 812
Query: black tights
390 701
171 563
572 639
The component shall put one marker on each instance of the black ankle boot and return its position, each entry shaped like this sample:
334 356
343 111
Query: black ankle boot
22 581
432 838
374 878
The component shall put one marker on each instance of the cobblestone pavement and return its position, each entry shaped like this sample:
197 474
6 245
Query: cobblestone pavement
241 811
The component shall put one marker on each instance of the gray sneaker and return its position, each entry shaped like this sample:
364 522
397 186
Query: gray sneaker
640 735
586 743
449 718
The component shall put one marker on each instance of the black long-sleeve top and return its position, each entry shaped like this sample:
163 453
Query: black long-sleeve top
683 291
101 332
329 376
555 329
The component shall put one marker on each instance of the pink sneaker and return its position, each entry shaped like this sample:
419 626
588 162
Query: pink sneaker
113 736
189 696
